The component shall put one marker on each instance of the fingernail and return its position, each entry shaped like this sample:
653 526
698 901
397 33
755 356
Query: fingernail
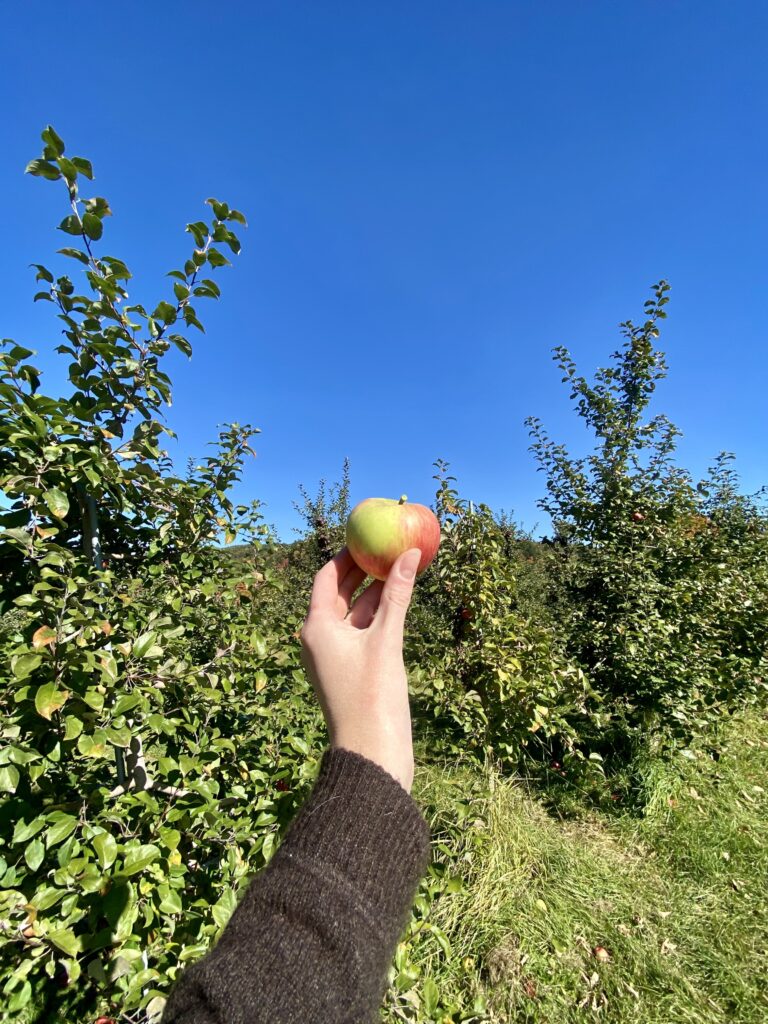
410 564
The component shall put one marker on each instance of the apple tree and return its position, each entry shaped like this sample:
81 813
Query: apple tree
495 679
659 585
154 738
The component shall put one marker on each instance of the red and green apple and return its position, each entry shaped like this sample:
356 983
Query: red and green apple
379 530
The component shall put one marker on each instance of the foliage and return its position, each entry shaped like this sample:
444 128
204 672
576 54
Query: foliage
290 568
496 678
154 740
326 517
660 587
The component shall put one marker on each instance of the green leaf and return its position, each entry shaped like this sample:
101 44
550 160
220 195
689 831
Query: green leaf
431 997
127 911
56 558
68 169
142 644
66 940
50 138
43 899
71 225
99 206
93 746
92 226
127 702
19 353
34 854
24 831
49 699
73 726
165 312
171 902
43 169
9 778
119 737
21 998
61 828
201 291
217 259
139 858
109 670
191 319
57 502
258 645
93 698
117 268
233 242
268 846
171 837
198 230
212 286
220 210
299 744
84 166
43 274
106 849
223 910
24 665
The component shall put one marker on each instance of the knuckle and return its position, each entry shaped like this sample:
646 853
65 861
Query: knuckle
399 597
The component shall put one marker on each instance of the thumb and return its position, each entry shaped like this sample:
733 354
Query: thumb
398 589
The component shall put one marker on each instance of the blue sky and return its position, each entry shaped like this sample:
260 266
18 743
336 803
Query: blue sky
437 194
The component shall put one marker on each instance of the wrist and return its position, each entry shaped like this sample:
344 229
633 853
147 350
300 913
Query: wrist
396 762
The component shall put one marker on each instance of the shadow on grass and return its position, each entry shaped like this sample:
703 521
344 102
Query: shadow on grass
623 777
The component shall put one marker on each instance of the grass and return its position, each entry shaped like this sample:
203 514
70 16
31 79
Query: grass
659 919
677 898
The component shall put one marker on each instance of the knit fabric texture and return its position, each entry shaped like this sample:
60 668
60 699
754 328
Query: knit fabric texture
316 931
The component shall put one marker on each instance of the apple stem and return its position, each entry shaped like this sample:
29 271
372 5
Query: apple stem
403 499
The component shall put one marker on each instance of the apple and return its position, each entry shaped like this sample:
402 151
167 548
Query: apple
381 529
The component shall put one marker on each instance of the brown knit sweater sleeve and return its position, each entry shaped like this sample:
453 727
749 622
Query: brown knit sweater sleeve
315 933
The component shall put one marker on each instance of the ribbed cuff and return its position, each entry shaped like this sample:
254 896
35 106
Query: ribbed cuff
360 822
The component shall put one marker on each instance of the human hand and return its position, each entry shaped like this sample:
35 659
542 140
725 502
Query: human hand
354 658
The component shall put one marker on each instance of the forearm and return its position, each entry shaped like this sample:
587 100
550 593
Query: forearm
316 931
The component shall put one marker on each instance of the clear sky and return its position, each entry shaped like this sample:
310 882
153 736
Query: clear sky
437 194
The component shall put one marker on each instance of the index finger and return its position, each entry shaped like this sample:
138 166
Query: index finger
325 589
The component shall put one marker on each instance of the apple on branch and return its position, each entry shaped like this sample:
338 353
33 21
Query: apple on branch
379 530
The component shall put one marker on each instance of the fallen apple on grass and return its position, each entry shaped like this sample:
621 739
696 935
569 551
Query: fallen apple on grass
379 530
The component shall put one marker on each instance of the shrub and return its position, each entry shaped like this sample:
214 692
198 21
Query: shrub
155 739
498 679
659 587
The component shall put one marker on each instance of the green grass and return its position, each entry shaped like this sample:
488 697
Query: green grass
678 898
